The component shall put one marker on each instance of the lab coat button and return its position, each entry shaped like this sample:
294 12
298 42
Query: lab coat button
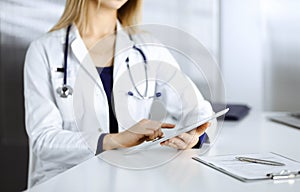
100 130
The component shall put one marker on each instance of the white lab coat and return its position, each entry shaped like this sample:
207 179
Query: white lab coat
63 134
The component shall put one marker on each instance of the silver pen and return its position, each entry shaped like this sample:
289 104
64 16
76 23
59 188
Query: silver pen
259 161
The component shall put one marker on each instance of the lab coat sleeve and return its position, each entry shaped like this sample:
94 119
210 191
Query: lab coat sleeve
44 124
183 101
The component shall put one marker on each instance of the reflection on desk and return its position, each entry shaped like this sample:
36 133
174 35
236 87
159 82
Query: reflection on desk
253 134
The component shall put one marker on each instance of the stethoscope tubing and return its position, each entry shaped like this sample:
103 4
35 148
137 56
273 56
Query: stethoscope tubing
66 55
131 76
67 90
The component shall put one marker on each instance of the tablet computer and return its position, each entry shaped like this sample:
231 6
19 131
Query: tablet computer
173 133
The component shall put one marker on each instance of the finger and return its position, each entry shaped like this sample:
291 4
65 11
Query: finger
186 137
167 125
149 124
172 145
192 132
201 129
160 133
180 144
148 132
164 143
190 140
155 134
182 141
168 143
205 125
148 139
144 132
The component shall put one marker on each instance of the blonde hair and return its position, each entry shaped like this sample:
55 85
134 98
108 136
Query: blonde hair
76 11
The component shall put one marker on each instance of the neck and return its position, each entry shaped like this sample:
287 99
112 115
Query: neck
100 21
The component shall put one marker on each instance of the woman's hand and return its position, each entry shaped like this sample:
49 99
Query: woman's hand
186 140
144 130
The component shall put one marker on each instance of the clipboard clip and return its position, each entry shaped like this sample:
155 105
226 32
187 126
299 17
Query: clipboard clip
284 174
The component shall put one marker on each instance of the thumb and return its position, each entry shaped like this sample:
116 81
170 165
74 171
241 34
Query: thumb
202 127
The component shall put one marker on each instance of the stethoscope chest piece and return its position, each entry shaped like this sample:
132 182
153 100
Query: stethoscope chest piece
64 91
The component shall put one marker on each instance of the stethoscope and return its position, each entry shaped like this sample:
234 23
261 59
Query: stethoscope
66 90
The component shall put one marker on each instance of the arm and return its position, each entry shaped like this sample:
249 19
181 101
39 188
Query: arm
44 123
144 130
187 104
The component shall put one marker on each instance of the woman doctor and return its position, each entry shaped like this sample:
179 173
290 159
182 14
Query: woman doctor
56 143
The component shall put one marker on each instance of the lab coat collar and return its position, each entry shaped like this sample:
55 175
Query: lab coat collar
123 46
123 42
74 33
78 47
82 54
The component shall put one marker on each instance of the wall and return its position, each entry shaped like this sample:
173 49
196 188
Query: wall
260 53
241 52
20 23
281 29
200 20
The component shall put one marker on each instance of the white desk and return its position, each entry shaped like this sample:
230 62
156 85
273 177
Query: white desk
253 134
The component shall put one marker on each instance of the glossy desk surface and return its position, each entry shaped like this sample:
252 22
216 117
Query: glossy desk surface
253 134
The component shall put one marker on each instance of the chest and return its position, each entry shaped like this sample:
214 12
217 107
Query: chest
101 51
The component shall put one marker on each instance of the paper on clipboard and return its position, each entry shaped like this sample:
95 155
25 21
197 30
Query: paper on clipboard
175 133
246 171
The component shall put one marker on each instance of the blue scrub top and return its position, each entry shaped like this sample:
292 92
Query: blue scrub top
106 75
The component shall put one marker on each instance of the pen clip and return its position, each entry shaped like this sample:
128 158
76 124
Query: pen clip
284 174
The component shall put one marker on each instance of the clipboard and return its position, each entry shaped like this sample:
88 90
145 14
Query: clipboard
229 165
174 133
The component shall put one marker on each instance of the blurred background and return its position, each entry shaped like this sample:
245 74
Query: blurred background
255 43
